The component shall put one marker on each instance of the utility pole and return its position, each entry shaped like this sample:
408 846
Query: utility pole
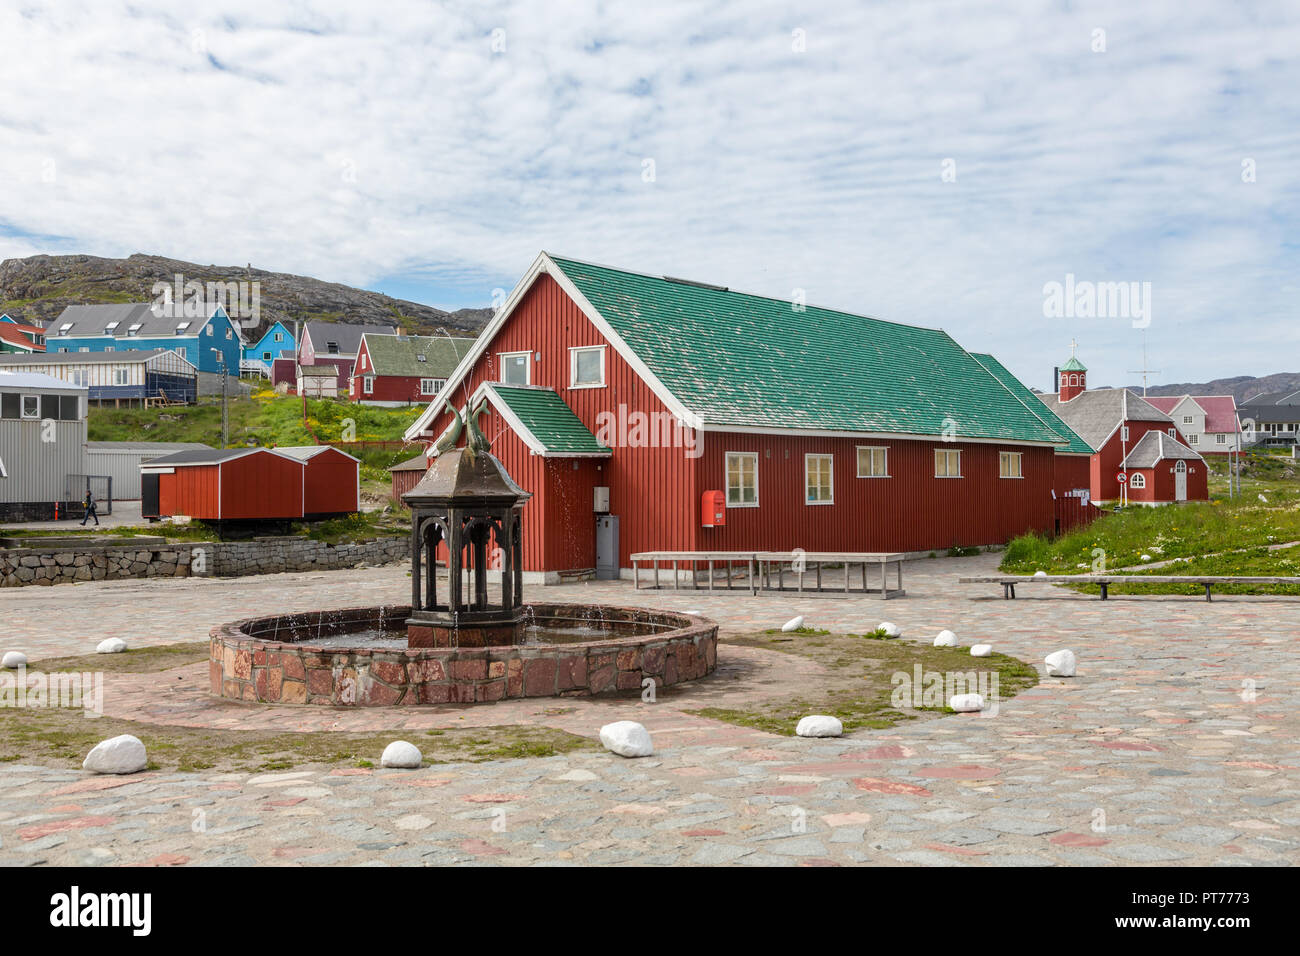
1144 371
225 383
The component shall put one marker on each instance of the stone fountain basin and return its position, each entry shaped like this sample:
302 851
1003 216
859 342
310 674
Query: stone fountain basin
272 660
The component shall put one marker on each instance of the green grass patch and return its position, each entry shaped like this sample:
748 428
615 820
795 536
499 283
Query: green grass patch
859 683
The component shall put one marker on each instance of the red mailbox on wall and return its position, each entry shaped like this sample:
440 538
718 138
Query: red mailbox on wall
713 509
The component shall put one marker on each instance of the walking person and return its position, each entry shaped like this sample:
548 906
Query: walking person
91 511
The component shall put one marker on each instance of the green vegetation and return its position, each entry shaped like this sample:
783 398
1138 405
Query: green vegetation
859 682
1237 536
63 737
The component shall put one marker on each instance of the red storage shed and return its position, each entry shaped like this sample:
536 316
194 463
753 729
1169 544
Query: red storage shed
223 484
331 481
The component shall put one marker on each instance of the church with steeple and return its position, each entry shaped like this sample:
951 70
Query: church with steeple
1137 454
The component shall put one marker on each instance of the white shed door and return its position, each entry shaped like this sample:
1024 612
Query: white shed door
1180 481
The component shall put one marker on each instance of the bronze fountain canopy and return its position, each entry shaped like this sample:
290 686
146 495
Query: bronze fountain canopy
467 500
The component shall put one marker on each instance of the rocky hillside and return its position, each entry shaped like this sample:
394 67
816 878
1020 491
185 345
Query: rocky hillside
40 287
1240 387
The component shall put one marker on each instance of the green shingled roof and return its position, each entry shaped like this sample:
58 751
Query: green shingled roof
1074 365
1077 445
550 422
400 354
739 359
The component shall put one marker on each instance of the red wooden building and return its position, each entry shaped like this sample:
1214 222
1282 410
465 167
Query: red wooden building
223 484
1115 422
331 480
617 394
404 369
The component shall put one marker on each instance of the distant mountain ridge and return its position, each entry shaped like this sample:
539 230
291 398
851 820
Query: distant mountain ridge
41 287
1240 387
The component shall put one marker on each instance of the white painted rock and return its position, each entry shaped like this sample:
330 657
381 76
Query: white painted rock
819 725
402 756
981 650
14 660
793 624
946 639
627 738
1040 574
124 754
966 703
890 629
1060 664
114 645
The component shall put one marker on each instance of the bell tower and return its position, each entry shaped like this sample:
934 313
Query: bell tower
1073 376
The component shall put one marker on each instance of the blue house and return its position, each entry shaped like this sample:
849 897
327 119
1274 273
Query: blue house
208 339
276 342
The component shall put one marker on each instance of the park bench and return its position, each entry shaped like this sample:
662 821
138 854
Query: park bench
1104 581
767 570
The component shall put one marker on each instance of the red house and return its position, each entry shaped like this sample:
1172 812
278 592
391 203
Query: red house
331 480
404 369
1115 423
629 396
223 484
336 344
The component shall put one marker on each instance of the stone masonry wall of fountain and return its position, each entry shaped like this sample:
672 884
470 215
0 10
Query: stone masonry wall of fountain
273 660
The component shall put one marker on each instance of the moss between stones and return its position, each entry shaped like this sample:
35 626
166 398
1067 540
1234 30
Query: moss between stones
858 684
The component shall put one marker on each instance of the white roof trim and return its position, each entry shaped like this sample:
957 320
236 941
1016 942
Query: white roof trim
544 264
488 390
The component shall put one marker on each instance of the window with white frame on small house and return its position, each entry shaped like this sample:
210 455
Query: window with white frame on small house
819 479
430 386
31 406
587 367
1221 439
368 384
515 368
947 463
1137 480
1011 464
873 461
1193 439
1187 419
1173 433
742 479
279 337
121 376
1123 433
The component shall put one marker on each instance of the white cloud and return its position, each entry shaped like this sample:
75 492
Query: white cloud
355 142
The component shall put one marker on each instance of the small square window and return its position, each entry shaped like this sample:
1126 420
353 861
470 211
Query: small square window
873 462
31 406
1010 464
515 368
819 480
947 463
587 367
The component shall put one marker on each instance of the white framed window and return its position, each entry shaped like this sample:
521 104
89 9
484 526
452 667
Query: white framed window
368 384
31 406
1221 439
84 348
266 356
110 348
742 479
1011 464
873 461
1193 439
819 479
1187 419
229 333
363 363
587 366
1137 480
279 337
430 386
1123 433
209 332
516 368
121 376
1173 433
947 463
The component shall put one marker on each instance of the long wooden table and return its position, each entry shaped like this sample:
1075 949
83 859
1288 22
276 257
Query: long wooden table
1104 581
762 568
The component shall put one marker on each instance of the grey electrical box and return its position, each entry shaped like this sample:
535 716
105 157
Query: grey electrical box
601 503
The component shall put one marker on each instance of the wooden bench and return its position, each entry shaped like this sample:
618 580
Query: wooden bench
764 567
1104 581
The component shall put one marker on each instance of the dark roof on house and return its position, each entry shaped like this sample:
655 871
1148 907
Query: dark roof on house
86 358
160 446
418 463
1077 445
304 452
1154 447
1272 398
738 359
427 356
347 337
87 320
208 456
1094 414
37 380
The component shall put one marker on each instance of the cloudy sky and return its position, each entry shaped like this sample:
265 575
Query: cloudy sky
933 163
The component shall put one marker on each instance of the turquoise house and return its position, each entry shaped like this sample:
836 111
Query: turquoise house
275 343
208 339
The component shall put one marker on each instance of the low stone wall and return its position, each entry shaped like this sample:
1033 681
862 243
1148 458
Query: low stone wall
26 566
272 660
